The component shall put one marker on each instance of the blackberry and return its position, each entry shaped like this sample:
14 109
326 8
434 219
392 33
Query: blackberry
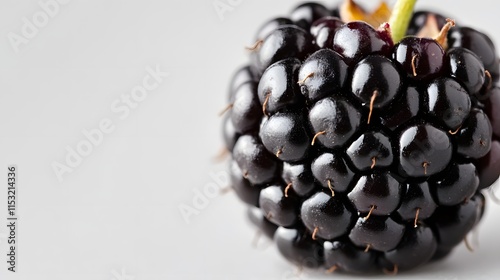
362 146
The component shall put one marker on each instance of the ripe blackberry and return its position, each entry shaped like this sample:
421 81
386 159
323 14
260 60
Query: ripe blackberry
362 146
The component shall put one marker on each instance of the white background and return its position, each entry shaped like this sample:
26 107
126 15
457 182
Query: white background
116 216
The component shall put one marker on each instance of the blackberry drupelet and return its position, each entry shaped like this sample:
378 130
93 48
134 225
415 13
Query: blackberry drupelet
359 151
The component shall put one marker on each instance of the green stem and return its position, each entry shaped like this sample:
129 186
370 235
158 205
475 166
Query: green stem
400 19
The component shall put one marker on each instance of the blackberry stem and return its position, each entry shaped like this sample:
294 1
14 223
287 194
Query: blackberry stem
400 19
